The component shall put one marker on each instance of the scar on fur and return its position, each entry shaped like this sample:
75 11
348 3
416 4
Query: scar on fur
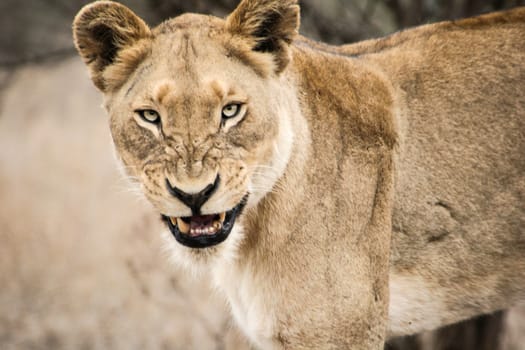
138 78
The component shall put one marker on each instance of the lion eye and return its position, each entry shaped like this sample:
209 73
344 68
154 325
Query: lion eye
231 110
149 115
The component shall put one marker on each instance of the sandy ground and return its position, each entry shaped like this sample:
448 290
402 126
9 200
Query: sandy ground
81 259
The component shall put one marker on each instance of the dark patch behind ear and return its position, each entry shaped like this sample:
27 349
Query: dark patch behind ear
101 30
270 24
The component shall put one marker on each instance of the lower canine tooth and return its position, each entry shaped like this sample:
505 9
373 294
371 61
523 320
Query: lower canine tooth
183 227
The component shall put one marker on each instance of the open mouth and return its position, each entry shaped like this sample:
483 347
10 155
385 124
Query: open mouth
204 231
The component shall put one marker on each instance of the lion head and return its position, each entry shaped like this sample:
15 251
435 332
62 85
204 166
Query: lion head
199 108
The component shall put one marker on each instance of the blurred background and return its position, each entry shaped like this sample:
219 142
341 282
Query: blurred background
81 259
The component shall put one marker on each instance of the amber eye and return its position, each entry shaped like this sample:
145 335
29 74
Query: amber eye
231 110
149 115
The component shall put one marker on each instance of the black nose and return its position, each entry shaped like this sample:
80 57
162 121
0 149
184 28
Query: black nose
194 201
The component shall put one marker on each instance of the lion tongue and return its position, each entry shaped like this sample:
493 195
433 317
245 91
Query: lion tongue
199 222
199 225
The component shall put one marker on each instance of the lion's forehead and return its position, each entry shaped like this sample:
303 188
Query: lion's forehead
191 22
189 40
196 47
180 73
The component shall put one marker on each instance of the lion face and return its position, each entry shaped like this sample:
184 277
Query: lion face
197 137
199 119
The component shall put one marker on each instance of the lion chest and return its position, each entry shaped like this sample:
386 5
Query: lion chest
252 304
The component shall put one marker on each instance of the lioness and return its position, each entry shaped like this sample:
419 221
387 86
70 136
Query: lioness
337 195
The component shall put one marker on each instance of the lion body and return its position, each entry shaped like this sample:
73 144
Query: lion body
458 207
385 177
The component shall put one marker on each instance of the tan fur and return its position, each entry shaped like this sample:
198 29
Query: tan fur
397 160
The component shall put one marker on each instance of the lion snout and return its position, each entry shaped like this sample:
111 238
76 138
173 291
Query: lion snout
193 199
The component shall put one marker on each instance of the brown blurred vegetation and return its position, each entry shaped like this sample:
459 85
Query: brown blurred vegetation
36 32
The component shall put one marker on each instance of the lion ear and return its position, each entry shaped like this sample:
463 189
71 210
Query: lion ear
270 25
101 31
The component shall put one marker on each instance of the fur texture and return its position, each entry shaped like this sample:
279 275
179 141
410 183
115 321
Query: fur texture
393 161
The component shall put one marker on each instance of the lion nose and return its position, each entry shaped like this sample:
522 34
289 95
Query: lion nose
194 200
